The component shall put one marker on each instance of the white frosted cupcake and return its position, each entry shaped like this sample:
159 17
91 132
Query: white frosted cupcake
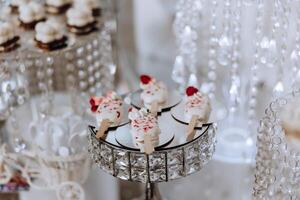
58 6
50 35
108 107
30 14
143 123
94 5
8 38
153 91
197 104
80 20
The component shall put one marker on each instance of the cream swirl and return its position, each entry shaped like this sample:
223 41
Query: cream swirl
92 4
32 12
58 3
18 3
7 32
79 16
48 31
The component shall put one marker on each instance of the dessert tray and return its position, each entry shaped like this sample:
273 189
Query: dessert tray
175 156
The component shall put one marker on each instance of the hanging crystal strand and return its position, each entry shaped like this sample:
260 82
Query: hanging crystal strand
212 65
234 91
284 11
254 68
225 41
185 29
295 55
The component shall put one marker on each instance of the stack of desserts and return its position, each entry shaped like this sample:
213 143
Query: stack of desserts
143 122
49 24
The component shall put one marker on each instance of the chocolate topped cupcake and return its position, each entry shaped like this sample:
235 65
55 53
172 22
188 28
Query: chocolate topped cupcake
80 20
8 38
50 36
58 6
31 14
94 5
15 4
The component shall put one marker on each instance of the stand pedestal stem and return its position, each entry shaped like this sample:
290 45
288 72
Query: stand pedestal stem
152 192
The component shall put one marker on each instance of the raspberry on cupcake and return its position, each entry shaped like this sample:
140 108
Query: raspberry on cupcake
30 14
8 38
80 20
58 6
50 36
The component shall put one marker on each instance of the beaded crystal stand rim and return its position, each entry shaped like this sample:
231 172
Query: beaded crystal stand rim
161 166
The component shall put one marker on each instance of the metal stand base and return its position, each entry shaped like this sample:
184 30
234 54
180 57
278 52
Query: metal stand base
152 192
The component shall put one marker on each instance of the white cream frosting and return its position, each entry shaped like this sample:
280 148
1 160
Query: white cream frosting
31 12
153 91
197 104
111 108
18 3
58 3
79 16
92 4
48 31
6 32
143 123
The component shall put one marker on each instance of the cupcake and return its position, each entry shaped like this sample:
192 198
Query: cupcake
8 38
58 6
80 20
94 5
49 36
153 91
15 4
143 123
30 14
196 103
108 107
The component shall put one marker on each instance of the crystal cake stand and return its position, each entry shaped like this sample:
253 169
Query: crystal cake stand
178 159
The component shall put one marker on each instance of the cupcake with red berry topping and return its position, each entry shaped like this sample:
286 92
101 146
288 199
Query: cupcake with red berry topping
196 104
153 91
109 107
8 38
80 20
30 14
58 6
143 123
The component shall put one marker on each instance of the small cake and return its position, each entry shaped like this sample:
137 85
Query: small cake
8 38
50 36
108 107
290 118
142 123
58 6
197 104
80 20
153 91
94 5
15 4
30 14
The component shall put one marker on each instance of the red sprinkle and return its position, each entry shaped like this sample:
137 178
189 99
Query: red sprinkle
145 79
191 91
